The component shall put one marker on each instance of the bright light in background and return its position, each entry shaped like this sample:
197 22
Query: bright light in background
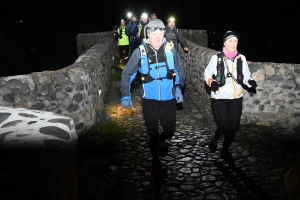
144 15
172 19
129 14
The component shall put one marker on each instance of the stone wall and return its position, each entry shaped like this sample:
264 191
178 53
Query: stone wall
277 98
75 91
196 36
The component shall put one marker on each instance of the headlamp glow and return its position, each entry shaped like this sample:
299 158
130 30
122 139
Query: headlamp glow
129 14
144 15
171 19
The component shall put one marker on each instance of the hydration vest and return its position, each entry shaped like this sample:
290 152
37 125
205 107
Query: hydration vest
220 78
145 67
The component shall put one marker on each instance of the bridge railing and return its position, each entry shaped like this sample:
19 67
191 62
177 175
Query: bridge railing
75 91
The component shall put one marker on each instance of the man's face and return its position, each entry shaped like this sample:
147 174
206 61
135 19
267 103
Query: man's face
153 17
156 38
133 19
171 24
122 23
145 19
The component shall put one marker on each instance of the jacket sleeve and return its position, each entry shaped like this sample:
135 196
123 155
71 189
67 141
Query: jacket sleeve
135 31
181 39
179 70
128 29
129 72
246 71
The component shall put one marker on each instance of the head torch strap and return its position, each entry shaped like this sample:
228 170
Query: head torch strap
155 29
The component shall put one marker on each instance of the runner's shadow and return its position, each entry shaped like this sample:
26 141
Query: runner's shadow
246 192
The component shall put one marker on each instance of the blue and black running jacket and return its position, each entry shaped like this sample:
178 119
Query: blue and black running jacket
157 65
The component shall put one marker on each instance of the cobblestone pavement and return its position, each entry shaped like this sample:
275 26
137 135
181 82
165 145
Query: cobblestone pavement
262 156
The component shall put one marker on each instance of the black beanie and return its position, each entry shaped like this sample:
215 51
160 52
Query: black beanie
228 35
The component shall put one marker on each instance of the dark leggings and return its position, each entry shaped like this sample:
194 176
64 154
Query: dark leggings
133 46
123 51
228 114
152 110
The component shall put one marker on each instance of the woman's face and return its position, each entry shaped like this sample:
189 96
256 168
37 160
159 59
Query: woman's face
231 44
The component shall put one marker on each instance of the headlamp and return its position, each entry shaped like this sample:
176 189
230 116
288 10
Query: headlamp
129 14
171 19
144 15
155 29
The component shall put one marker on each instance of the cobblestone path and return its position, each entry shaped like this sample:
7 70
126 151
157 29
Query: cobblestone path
262 156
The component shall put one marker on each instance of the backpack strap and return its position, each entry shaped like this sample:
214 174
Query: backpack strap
239 65
220 63
220 77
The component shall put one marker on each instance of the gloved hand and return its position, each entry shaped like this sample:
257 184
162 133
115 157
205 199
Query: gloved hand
178 95
214 86
252 83
120 37
126 102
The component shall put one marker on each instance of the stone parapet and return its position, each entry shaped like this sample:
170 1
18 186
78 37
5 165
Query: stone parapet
196 36
85 41
277 98
75 91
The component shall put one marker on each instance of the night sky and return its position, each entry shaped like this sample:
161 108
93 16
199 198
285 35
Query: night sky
38 35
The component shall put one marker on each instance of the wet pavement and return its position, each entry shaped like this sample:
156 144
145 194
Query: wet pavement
262 156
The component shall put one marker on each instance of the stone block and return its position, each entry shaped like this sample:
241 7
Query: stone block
258 76
269 70
296 104
266 116
43 78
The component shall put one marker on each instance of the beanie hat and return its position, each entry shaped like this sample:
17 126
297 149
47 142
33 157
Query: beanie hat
229 34
155 24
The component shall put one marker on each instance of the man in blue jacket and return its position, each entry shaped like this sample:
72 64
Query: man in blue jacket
162 77
132 32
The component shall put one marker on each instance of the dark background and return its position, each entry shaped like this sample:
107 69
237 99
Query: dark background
39 35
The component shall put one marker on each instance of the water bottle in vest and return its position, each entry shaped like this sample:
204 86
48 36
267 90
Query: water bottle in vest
220 78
